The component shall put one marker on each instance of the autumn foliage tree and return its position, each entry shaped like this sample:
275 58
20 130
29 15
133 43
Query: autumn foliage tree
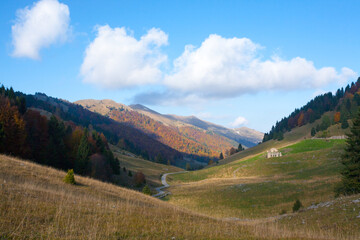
62 144
337 117
12 128
139 179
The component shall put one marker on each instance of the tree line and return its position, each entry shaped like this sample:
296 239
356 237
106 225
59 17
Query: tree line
344 103
49 140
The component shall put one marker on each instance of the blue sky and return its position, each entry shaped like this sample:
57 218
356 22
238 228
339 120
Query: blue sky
235 63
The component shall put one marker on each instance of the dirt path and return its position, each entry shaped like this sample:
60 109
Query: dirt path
162 193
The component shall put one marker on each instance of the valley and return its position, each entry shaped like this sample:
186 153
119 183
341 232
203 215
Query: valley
179 120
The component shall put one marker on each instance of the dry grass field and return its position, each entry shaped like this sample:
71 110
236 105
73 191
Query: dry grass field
36 204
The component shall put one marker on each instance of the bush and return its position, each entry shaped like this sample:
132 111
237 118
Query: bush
297 205
139 179
69 178
130 174
146 190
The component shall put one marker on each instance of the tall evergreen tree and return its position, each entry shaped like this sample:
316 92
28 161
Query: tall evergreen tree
82 159
56 155
350 183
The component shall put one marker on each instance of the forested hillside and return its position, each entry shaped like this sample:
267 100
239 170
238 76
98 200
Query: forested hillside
344 104
187 139
117 133
53 142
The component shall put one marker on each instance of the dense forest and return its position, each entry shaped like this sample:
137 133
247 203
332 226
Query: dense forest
53 142
344 103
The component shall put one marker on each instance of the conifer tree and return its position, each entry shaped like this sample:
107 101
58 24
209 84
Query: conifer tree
69 178
350 183
146 190
83 153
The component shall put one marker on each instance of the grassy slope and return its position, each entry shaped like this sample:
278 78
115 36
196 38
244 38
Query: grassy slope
35 204
256 187
151 170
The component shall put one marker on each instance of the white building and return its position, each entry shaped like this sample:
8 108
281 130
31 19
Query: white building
273 153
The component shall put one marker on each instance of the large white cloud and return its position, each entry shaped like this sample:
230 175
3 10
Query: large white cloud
227 67
45 23
116 59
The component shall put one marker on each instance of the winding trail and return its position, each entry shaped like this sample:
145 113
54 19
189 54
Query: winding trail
162 193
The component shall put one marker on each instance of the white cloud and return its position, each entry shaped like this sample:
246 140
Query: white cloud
45 23
239 121
116 59
228 67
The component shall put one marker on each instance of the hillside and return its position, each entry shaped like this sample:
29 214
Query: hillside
256 188
151 170
343 105
123 135
245 136
36 204
184 138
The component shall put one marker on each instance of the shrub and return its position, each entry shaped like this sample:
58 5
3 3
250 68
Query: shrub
297 205
146 190
130 174
139 179
69 178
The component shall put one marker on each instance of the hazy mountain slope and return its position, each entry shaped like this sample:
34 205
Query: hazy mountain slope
182 137
249 134
248 138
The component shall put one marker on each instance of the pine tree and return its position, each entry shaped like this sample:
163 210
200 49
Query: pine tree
350 183
69 178
221 156
313 131
82 158
146 190
297 205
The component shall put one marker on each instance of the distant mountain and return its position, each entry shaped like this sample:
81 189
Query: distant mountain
249 134
184 137
246 136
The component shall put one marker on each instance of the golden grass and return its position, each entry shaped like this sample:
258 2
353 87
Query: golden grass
36 204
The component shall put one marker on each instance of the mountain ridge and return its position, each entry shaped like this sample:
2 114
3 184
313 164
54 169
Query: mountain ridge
183 137
249 138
